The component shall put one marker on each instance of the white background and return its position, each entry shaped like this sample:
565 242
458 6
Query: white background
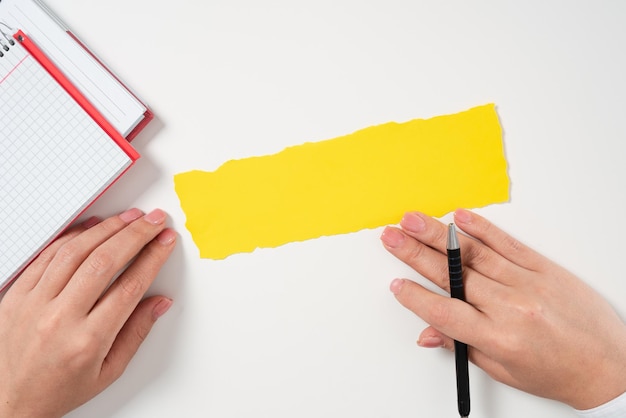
310 329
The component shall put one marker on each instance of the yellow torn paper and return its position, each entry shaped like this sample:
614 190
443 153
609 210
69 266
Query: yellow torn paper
363 180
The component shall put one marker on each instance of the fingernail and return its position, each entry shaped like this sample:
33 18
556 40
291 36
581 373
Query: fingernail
130 215
161 307
413 222
463 216
166 237
94 220
396 286
430 342
155 217
392 237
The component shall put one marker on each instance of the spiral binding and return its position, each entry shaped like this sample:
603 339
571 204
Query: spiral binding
5 40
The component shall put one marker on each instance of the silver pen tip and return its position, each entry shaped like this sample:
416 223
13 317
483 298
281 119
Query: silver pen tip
453 241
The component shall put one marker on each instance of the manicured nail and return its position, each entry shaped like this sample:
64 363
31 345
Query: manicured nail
155 217
392 237
413 222
166 237
161 307
93 221
430 342
130 215
463 216
396 286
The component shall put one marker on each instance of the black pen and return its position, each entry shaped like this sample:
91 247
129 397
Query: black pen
455 270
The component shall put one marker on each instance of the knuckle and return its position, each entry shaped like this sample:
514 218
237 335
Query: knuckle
415 253
500 270
77 353
511 243
45 257
131 285
485 227
83 351
141 332
141 229
152 255
440 234
68 253
509 347
110 226
439 315
477 255
532 311
115 370
50 324
523 313
100 262
528 308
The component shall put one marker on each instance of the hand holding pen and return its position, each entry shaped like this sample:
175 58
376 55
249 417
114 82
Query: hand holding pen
520 308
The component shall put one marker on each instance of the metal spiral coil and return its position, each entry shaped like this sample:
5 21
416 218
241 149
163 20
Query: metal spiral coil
6 42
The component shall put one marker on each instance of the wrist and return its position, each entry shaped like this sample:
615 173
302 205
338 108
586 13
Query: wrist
604 384
13 409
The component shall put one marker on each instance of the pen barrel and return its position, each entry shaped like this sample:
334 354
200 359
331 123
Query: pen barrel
455 271
462 378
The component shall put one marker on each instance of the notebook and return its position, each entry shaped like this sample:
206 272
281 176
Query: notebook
98 84
58 153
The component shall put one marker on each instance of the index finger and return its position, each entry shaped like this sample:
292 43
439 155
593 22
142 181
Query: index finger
499 241
120 300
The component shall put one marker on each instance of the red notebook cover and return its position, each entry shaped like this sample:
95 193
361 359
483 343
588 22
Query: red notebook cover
32 49
45 62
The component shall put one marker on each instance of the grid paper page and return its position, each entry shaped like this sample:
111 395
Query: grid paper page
54 160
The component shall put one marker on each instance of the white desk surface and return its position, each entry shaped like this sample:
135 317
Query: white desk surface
311 329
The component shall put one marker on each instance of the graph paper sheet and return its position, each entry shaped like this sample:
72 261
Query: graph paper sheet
54 160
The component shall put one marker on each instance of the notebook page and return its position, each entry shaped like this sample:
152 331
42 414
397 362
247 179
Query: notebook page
54 160
112 99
